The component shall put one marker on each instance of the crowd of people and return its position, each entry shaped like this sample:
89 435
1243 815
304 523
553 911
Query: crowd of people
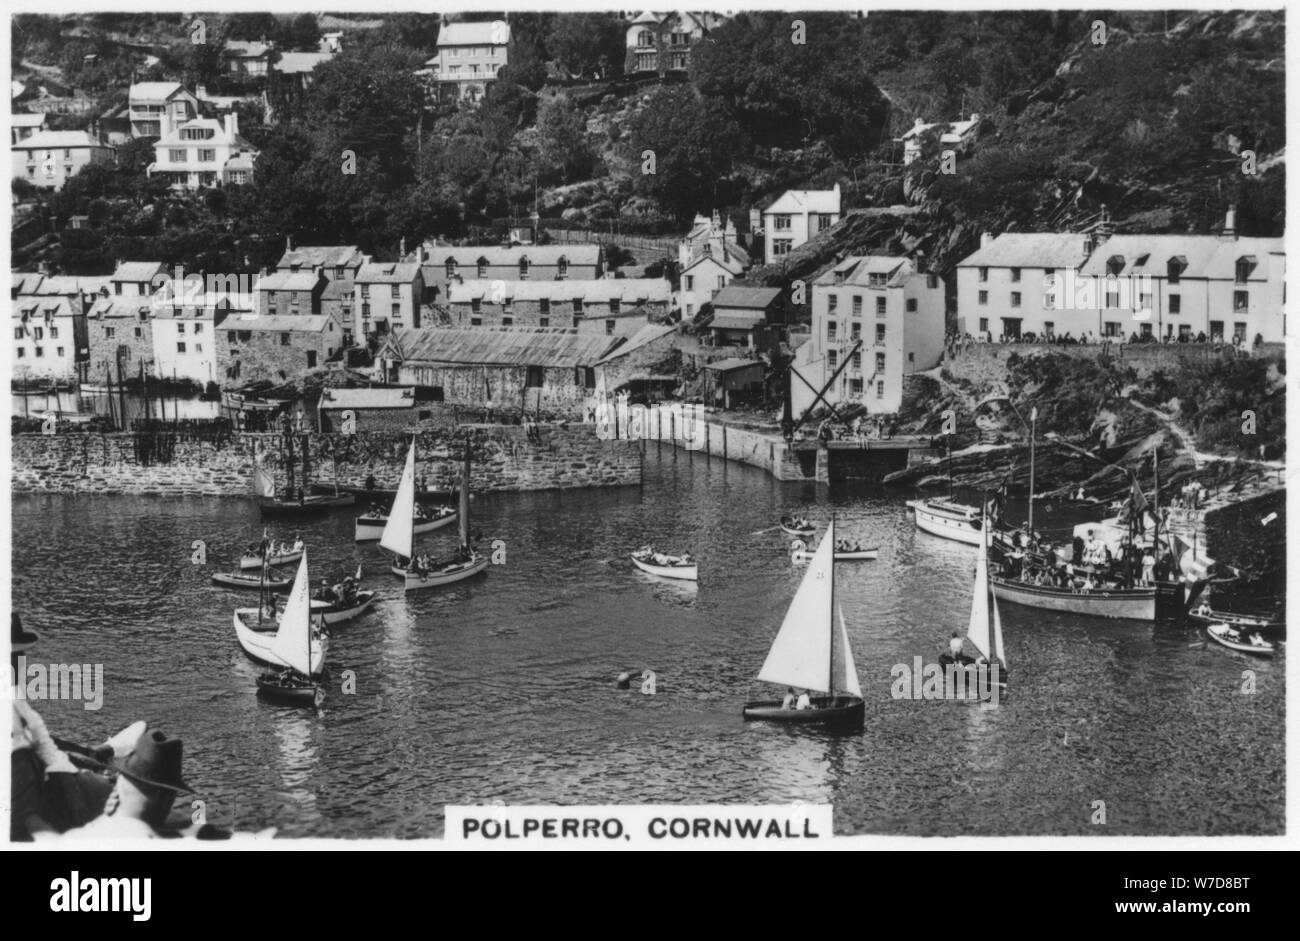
1084 564
956 344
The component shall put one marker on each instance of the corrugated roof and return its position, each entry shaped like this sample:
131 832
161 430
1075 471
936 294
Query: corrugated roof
468 256
368 398
597 291
643 337
728 365
801 201
739 296
387 272
474 34
1206 256
1029 250
550 347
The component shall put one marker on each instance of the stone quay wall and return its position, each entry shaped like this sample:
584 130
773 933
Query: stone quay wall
504 457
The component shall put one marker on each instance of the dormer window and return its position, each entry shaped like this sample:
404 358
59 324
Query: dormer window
482 267
523 268
1245 265
1175 268
1115 264
451 268
645 39
562 266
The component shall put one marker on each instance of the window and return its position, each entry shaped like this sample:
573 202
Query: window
476 304
855 386
562 267
984 297
1175 304
18 332
1146 329
1015 275
577 305
722 281
545 305
198 347
880 390
176 155
1174 269
609 328
832 358
507 321
117 287
911 305
365 311
396 291
543 321
880 306
198 328
613 305
880 362
830 329
1110 329
645 39
880 334
207 155
396 311
857 360
1240 301
22 353
781 247
932 281
59 352
1112 299
690 282
1015 298
984 325
877 279
1144 302
38 333
476 321
138 332
855 331
523 269
577 318
311 359
1239 330
284 339
536 375
40 352
857 304
1049 327
231 336
109 333
781 223
984 274
450 265
180 347
54 333
180 327
832 301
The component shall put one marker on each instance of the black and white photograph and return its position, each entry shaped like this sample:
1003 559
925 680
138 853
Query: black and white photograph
552 428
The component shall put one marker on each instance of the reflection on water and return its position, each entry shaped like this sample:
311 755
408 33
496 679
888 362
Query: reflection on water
502 688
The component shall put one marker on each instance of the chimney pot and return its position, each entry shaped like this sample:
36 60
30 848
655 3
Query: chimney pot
985 238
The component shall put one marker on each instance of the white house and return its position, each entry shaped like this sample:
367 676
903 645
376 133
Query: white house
157 109
953 134
389 292
795 217
897 314
49 159
469 57
204 152
1001 287
25 125
185 343
662 42
710 258
47 331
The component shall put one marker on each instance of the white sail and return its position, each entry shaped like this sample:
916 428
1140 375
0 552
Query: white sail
846 679
801 654
293 639
398 531
985 628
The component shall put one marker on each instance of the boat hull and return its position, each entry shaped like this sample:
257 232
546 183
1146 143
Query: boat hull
337 614
803 555
308 506
370 529
255 561
229 580
1225 635
1135 604
687 573
1262 624
447 576
384 497
955 526
299 692
257 647
801 533
841 712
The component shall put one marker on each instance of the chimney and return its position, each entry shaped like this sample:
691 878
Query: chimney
1230 222
401 250
985 238
1088 245
975 117
232 125
43 267
288 243
200 91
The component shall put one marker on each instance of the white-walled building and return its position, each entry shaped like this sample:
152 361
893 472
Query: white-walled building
710 258
49 159
388 293
469 57
204 152
185 342
157 109
47 334
952 135
796 217
1220 285
24 126
896 311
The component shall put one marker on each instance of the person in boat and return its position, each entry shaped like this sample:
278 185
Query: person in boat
326 593
147 784
1148 568
954 645
804 701
788 701
298 544
370 481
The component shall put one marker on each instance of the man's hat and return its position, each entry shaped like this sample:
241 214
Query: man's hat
156 762
20 640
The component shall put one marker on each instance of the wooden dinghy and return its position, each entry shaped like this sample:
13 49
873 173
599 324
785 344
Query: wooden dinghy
290 688
1237 621
443 573
259 646
1241 641
792 527
307 506
666 566
253 561
371 528
799 552
274 581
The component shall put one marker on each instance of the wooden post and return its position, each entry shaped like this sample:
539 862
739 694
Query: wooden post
708 448
672 432
724 441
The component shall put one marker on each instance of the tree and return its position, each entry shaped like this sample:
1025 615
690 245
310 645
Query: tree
683 146
302 33
562 139
586 43
252 27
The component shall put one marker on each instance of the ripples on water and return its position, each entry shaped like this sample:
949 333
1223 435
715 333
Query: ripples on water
501 689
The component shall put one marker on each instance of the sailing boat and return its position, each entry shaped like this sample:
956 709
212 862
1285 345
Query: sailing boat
984 630
399 536
295 501
812 653
373 524
948 518
293 651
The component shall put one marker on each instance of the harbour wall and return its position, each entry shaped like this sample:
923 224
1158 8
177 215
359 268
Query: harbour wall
504 458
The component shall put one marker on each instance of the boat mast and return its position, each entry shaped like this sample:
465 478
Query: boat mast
830 686
1033 420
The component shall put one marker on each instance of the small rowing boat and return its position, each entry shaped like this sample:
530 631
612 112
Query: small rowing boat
371 528
290 687
1241 641
797 526
254 561
1238 621
666 566
240 580
799 552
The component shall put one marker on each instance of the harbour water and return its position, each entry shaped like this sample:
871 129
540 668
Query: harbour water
502 689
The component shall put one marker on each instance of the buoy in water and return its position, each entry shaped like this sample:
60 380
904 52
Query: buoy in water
624 681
